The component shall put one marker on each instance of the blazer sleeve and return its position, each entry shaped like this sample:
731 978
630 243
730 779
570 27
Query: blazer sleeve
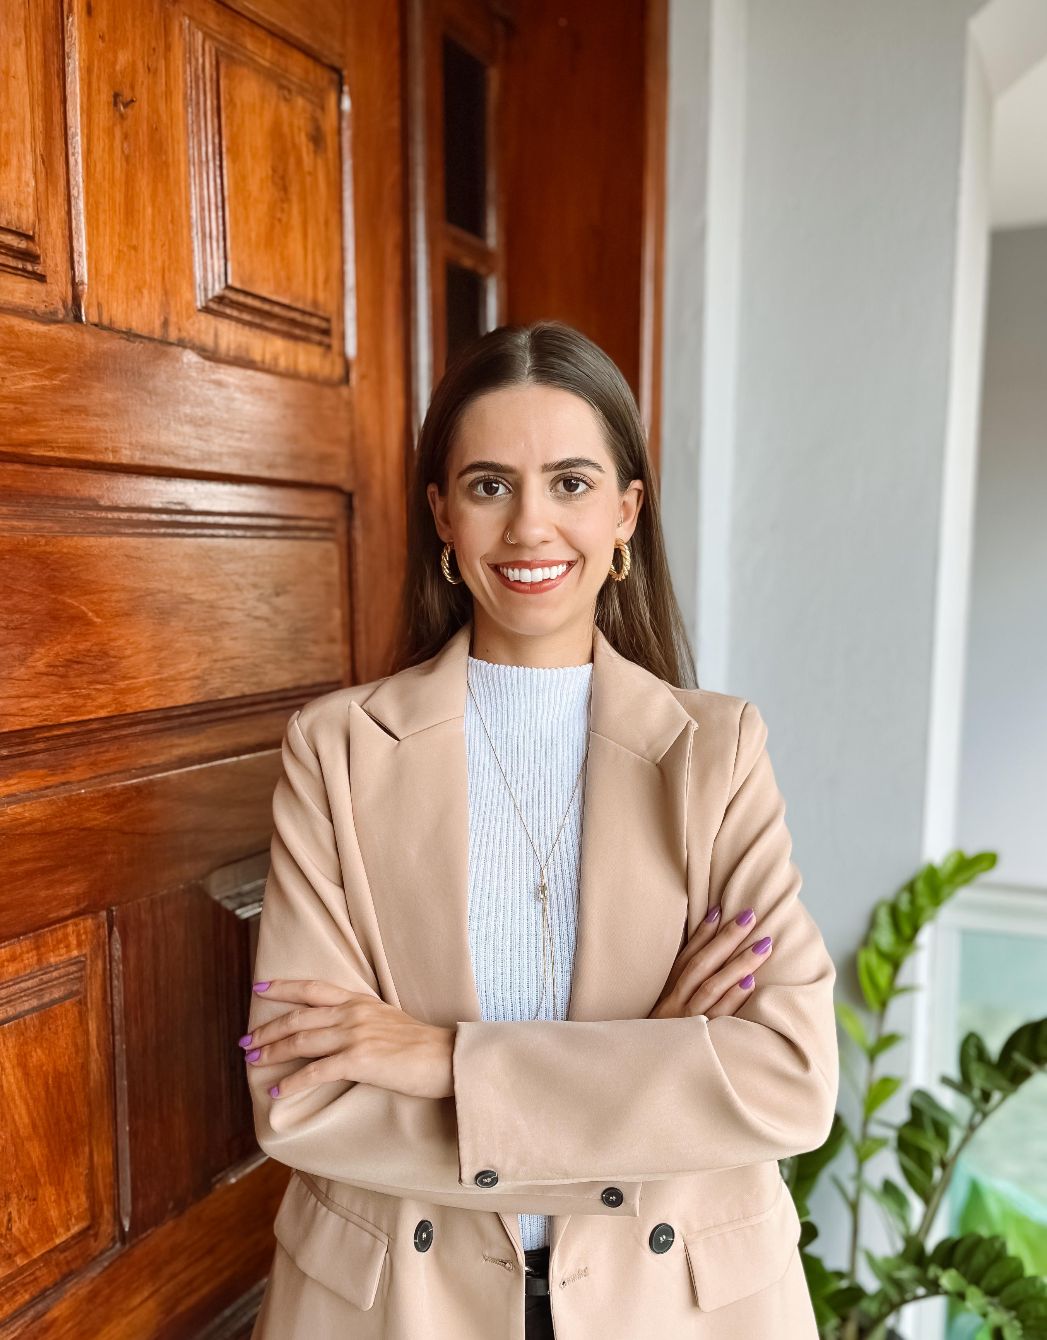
372 1137
655 1098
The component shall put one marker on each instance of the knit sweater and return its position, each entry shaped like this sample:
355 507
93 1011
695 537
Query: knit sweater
538 719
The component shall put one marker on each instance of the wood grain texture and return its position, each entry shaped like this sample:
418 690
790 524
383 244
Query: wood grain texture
180 961
56 1095
574 170
656 112
373 71
101 569
70 394
35 273
77 850
201 528
211 164
221 1248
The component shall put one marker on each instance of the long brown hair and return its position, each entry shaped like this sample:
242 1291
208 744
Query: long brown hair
639 616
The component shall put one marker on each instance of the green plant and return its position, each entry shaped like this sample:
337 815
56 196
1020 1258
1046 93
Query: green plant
973 1269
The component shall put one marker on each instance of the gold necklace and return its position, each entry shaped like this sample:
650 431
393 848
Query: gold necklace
543 887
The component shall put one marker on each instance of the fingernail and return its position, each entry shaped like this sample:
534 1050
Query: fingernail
743 918
245 1041
262 986
747 981
253 1056
274 1092
713 914
762 946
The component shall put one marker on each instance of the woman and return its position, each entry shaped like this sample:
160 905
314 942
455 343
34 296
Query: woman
539 1006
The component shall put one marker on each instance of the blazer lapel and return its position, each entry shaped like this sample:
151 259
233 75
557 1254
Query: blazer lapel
409 787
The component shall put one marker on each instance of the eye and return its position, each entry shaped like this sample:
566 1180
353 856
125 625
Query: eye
478 484
487 479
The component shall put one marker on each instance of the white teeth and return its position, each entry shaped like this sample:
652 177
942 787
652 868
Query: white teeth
534 574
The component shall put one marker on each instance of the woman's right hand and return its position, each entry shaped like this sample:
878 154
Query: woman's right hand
711 975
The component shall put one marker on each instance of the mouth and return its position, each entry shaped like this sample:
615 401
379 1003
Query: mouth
532 578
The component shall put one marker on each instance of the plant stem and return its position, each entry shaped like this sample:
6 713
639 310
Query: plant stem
949 1167
863 1131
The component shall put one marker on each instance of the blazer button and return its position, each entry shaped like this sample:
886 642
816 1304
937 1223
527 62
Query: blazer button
423 1235
486 1178
611 1195
662 1238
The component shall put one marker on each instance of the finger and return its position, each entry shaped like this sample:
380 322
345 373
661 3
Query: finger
324 1071
297 1020
710 991
703 934
713 955
734 997
305 991
312 1044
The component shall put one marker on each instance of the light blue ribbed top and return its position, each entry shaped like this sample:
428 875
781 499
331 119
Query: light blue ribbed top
538 718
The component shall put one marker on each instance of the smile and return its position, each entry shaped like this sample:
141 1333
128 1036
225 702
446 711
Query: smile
534 578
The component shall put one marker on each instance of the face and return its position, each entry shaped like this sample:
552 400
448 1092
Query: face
532 460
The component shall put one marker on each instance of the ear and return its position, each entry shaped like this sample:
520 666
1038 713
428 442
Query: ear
629 507
438 506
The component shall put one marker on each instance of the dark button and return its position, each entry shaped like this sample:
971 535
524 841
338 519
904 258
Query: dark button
611 1195
662 1238
423 1235
486 1178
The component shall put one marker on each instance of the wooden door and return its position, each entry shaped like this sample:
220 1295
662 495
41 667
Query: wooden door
202 437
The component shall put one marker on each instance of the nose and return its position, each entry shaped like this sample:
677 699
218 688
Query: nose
531 519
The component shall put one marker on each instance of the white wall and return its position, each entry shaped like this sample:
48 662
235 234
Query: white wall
1003 795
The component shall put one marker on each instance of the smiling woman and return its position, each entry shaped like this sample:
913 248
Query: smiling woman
540 1008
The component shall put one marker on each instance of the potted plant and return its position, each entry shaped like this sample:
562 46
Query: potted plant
975 1270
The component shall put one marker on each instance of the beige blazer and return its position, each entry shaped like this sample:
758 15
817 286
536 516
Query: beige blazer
652 1143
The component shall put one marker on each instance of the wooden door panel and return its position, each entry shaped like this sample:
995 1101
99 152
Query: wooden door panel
213 167
101 569
34 228
70 850
182 980
71 394
172 1283
56 1137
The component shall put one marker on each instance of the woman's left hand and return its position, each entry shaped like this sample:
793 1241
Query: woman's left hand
349 1035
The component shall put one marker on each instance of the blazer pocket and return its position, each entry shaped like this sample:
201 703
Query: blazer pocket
732 1262
332 1246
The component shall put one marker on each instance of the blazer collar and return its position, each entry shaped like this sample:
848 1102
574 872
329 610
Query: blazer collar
629 705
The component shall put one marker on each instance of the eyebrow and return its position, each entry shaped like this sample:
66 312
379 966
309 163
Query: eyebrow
568 463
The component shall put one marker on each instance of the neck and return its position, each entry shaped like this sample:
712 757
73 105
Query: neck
505 646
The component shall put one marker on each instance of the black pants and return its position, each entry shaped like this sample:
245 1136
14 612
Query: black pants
538 1315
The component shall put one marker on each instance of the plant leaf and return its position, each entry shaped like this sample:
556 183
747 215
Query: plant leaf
852 1023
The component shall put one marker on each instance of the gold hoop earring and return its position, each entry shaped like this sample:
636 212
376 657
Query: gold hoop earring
445 565
620 575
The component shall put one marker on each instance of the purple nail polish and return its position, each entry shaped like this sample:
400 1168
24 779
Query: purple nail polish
262 986
762 946
712 915
253 1056
743 918
245 1041
274 1092
747 981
